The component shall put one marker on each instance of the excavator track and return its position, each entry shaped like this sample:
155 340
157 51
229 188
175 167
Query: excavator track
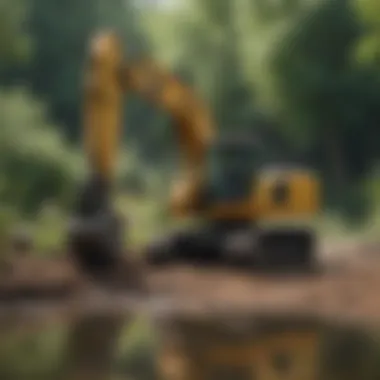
290 248
275 250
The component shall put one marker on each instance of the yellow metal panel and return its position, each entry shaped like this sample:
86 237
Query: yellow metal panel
234 355
303 195
102 106
232 210
303 199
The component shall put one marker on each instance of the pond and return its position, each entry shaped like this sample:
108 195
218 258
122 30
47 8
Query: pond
56 341
49 343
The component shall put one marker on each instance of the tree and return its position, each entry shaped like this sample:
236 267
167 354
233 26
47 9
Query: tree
62 30
328 103
199 42
15 43
368 47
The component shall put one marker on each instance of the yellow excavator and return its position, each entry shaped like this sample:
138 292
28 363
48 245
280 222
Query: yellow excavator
237 202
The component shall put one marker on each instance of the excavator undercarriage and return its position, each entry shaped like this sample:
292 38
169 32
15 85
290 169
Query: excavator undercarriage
236 246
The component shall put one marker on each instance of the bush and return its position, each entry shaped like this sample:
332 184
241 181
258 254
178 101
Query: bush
35 162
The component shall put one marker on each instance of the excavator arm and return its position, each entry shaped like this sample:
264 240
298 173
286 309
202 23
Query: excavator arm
94 235
102 104
108 78
191 120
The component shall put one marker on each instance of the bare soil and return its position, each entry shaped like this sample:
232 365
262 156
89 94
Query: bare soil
346 288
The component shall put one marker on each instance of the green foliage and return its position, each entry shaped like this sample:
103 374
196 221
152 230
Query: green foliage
296 61
326 101
61 32
49 230
32 355
301 75
35 163
368 47
15 43
137 351
368 11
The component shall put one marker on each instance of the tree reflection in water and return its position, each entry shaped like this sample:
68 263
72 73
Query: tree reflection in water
92 351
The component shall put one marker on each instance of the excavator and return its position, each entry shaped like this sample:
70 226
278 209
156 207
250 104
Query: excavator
242 208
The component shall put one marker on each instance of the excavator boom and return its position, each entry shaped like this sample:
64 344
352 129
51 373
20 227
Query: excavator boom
192 122
191 119
107 79
102 104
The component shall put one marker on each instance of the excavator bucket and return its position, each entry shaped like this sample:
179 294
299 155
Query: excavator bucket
282 249
95 232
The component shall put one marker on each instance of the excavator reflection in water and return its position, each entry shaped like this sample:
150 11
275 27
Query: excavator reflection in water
215 347
221 183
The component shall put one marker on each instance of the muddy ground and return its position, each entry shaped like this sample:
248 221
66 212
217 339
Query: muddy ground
345 289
